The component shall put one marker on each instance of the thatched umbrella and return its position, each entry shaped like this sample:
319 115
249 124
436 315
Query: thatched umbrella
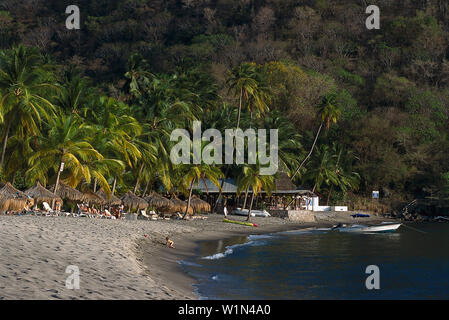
40 194
67 192
199 205
12 199
180 206
111 201
158 202
131 201
92 198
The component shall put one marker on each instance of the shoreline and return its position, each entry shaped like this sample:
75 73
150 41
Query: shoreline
117 259
169 271
167 268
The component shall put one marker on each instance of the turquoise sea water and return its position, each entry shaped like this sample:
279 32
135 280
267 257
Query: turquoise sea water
323 264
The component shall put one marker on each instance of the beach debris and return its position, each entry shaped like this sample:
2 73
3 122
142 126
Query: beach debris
249 224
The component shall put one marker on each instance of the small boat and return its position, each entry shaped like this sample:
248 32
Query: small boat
254 213
384 227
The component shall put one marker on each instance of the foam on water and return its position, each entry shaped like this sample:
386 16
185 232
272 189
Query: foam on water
189 263
230 249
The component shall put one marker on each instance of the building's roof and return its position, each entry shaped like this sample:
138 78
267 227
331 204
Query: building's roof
283 183
229 186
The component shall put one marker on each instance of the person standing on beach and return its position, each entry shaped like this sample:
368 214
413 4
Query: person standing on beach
225 211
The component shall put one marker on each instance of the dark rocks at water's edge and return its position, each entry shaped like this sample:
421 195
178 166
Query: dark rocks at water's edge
417 217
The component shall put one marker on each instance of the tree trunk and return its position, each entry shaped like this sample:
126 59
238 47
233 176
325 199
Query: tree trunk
246 197
57 178
137 180
113 185
310 152
329 195
250 207
146 188
227 169
190 197
240 107
5 142
95 185
56 184
221 190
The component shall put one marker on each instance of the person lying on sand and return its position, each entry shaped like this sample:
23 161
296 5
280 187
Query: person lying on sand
169 243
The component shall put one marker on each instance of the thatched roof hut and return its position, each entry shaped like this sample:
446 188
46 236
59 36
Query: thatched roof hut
92 198
180 206
111 201
200 205
131 201
66 192
158 202
12 199
284 183
40 194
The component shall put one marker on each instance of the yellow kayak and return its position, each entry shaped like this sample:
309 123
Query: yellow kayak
249 224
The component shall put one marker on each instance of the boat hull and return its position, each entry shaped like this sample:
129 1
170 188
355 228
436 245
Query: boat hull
379 228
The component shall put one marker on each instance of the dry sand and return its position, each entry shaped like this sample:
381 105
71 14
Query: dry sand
115 259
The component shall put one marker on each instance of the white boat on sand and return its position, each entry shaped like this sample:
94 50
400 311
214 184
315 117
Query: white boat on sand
384 227
254 213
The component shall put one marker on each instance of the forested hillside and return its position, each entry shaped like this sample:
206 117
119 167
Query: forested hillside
389 88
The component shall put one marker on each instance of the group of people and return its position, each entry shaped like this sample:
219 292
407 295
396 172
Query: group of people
116 211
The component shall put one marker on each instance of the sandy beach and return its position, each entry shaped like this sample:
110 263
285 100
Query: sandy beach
115 259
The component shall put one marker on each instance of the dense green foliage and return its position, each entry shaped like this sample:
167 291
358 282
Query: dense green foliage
381 97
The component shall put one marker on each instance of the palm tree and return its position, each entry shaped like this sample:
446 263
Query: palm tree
289 145
246 82
348 179
253 179
23 81
74 92
328 112
66 142
193 173
116 133
199 172
323 168
328 169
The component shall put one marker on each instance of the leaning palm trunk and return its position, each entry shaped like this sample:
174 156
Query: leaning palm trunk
57 178
57 183
233 141
329 195
246 198
5 142
221 189
310 152
190 198
138 178
250 207
113 185
146 188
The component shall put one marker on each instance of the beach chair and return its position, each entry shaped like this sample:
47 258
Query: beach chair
108 215
144 214
48 209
